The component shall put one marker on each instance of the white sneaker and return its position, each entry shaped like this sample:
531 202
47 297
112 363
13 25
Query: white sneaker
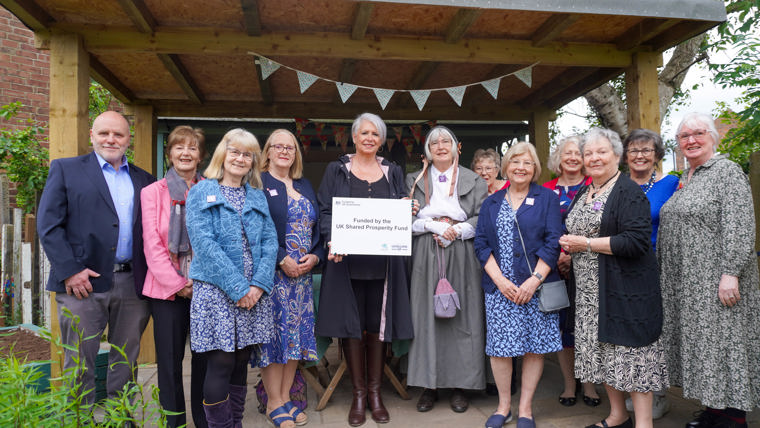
660 405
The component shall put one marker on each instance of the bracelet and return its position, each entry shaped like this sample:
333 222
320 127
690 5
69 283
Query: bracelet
588 245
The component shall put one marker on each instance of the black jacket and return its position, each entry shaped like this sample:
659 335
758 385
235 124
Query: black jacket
630 303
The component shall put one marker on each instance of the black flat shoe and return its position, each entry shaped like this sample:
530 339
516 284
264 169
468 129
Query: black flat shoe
592 402
427 400
567 401
627 424
458 401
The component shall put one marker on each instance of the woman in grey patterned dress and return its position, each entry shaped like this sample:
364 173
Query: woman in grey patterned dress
618 306
706 249
235 247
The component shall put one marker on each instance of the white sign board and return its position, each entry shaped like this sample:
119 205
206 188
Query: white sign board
372 226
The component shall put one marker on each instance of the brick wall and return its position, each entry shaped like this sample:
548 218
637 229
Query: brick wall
24 73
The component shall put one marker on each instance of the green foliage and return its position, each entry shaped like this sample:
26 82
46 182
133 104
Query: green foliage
99 100
741 33
23 157
64 404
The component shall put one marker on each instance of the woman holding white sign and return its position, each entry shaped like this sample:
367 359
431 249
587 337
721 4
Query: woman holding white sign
446 353
363 299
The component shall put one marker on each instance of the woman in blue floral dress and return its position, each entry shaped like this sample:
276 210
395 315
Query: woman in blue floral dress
235 246
529 213
293 206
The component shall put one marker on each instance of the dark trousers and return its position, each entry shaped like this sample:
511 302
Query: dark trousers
369 301
171 325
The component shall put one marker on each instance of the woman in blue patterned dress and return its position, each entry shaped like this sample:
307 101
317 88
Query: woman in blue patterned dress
293 206
235 246
514 324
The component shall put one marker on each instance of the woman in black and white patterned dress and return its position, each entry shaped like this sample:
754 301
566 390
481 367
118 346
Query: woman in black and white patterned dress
618 303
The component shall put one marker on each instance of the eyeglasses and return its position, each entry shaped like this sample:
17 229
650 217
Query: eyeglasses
698 135
524 164
286 149
486 169
235 153
636 152
441 142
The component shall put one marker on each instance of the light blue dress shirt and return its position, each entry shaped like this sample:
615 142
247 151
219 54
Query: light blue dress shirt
123 197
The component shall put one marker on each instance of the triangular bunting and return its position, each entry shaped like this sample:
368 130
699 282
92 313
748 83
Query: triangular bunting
267 67
492 86
420 97
457 93
305 80
526 75
345 90
383 96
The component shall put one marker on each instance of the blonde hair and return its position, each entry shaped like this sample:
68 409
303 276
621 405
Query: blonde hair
244 141
296 170
520 149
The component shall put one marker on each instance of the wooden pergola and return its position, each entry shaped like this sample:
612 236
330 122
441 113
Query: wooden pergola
196 58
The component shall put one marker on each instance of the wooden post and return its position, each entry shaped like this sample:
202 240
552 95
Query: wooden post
539 134
144 141
754 181
642 92
69 79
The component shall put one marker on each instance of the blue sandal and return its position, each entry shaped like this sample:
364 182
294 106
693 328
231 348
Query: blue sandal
497 421
280 415
289 406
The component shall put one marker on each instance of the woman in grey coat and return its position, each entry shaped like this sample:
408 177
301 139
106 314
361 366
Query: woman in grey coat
446 353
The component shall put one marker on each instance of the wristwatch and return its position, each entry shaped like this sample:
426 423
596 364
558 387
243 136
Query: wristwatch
538 275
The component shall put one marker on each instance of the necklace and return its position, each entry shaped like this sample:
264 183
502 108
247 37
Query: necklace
648 186
599 189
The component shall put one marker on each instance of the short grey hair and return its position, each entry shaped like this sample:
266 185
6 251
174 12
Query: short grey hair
594 134
696 120
555 158
434 134
373 119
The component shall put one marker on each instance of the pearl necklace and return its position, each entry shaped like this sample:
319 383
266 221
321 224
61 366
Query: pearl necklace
648 186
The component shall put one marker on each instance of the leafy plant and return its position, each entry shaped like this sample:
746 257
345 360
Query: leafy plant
64 404
23 157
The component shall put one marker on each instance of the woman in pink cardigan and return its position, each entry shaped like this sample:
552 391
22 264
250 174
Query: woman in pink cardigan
169 291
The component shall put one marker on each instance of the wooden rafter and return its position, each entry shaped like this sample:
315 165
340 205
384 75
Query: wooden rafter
103 75
589 82
361 20
552 28
251 17
30 13
555 87
140 15
337 45
181 76
332 110
460 24
643 31
679 32
264 86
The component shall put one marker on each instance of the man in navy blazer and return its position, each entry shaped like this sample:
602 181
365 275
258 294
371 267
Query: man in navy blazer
89 225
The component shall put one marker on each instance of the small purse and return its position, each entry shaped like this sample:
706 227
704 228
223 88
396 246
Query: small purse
552 296
445 299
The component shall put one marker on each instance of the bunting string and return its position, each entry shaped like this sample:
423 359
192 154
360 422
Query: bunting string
383 95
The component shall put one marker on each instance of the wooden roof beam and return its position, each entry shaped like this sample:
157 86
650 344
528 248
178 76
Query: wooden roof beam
552 28
251 17
555 87
336 45
361 20
460 24
264 86
30 13
593 80
332 110
677 34
181 76
140 15
643 31
103 75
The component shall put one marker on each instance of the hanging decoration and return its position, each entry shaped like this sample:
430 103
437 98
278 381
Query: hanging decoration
300 125
267 67
305 142
383 95
416 132
492 86
319 126
409 144
305 80
341 137
525 75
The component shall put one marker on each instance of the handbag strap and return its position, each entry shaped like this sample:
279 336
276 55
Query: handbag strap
525 253
441 261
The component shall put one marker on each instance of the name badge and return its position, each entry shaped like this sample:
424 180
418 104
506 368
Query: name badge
529 201
211 198
442 178
597 206
272 192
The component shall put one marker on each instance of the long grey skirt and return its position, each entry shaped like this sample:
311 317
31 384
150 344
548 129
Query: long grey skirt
447 353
